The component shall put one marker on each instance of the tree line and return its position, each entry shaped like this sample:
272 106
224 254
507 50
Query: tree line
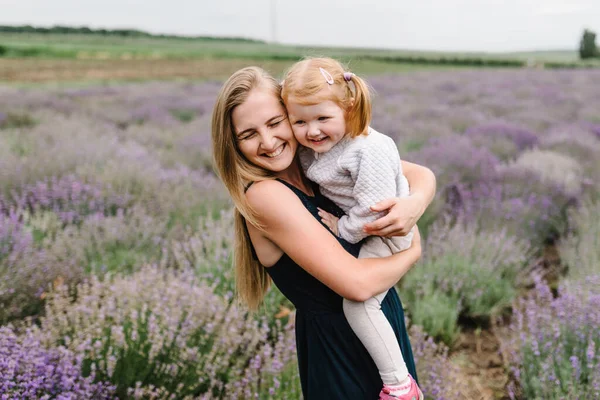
84 30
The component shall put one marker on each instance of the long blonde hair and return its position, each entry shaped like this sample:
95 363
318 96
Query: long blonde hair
306 82
236 172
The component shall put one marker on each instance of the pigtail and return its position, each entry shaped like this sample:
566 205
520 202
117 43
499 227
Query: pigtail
359 114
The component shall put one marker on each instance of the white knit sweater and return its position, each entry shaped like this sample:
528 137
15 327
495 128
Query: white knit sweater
356 174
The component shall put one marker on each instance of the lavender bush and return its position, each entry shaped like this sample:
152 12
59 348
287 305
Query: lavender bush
465 272
555 346
208 251
26 270
99 244
67 197
518 199
28 371
580 250
506 141
166 330
582 145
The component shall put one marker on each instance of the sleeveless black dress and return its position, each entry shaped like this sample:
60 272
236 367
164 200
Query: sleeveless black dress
333 363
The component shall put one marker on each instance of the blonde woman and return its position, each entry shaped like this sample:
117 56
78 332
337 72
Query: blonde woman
280 237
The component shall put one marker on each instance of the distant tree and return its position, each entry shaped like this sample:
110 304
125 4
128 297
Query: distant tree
587 46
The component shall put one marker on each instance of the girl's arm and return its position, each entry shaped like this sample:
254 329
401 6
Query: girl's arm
289 225
403 213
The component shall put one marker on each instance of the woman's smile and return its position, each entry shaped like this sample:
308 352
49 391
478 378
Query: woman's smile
276 152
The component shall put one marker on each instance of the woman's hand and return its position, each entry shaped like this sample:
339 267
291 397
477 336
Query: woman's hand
330 220
402 214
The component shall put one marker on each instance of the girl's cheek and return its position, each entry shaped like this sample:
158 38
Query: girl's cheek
297 134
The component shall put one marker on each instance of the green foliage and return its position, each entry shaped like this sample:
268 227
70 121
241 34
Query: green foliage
465 273
587 45
456 60
17 120
435 311
184 115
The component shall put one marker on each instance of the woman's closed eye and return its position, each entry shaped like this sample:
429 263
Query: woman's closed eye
275 124
246 135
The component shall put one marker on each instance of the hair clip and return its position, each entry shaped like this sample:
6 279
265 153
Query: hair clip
327 76
348 76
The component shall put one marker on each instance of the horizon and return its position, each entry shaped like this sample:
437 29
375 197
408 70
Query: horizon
491 26
158 34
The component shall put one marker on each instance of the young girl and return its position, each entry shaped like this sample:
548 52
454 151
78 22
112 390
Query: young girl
356 167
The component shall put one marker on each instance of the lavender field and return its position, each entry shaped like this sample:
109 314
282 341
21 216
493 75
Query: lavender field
116 241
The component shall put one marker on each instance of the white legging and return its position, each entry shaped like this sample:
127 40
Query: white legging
370 324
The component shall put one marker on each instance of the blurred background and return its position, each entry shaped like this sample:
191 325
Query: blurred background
116 236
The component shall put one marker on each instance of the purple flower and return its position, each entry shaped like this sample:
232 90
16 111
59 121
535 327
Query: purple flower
523 138
27 370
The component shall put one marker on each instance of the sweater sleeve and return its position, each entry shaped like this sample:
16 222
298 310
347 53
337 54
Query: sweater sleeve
374 167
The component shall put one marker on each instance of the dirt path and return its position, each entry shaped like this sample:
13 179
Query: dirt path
478 355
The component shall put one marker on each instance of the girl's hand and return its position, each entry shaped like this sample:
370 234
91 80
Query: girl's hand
402 214
330 220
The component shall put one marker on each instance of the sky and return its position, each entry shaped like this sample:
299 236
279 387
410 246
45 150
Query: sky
438 25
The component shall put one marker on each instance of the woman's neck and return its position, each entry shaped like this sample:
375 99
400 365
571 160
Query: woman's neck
295 177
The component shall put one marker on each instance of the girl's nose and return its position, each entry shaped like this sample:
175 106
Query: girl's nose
313 130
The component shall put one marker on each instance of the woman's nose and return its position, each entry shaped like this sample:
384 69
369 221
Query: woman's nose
268 141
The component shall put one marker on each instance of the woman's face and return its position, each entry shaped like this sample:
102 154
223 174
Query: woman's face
263 133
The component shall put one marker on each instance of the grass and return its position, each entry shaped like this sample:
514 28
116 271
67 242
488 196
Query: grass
96 46
38 58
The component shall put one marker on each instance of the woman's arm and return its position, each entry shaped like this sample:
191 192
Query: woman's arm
289 225
403 213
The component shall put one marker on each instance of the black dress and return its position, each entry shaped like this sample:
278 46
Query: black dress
333 362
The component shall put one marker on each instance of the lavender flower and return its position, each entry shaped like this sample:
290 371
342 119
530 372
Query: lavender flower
28 371
69 198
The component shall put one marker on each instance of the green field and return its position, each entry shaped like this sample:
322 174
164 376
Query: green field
110 46
33 58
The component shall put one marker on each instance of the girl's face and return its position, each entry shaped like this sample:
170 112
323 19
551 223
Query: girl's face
263 131
320 126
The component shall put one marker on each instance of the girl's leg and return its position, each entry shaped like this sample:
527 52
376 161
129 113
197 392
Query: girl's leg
372 327
375 332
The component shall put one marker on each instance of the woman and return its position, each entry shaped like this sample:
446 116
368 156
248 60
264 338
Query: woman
279 236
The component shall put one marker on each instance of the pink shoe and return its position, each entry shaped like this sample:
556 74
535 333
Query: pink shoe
414 393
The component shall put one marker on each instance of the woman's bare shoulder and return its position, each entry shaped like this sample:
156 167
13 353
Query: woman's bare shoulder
265 190
271 199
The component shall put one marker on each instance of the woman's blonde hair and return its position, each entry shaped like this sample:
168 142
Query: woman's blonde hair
314 80
236 172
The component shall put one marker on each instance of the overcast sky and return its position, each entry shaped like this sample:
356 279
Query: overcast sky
448 25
